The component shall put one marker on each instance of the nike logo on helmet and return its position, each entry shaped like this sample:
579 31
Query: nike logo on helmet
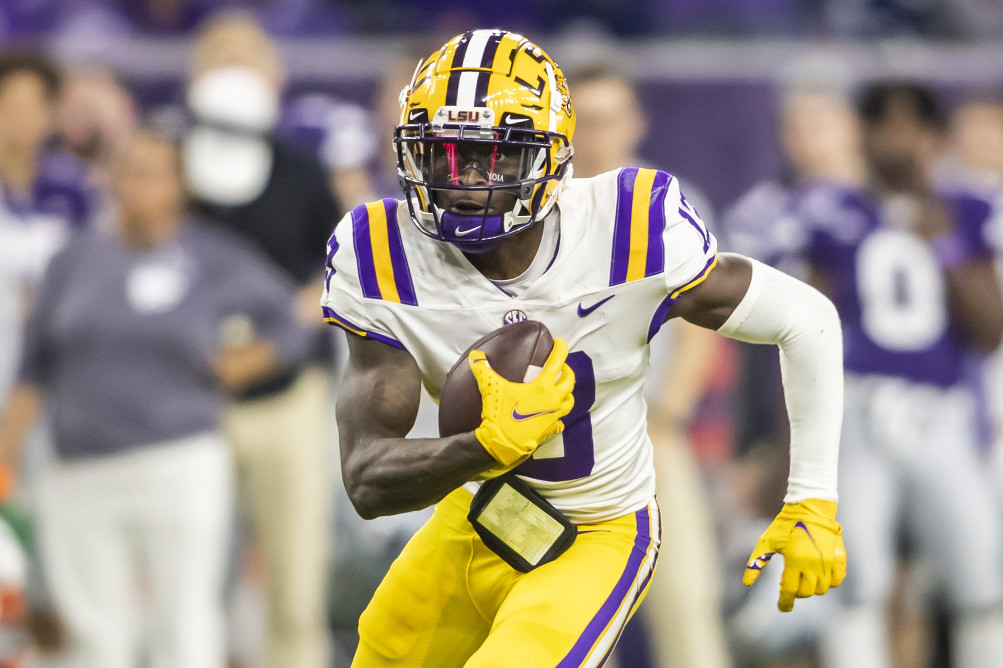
516 415
512 121
586 310
415 113
463 233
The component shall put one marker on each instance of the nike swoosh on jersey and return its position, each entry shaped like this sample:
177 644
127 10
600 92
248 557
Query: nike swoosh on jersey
586 310
516 415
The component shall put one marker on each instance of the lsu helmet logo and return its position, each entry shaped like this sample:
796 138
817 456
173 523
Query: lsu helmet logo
464 116
453 116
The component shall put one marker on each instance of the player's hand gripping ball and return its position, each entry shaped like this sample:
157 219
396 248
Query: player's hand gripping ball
511 389
811 540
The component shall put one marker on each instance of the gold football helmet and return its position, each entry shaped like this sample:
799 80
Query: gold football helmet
484 138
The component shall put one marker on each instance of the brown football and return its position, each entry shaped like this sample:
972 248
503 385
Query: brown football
511 350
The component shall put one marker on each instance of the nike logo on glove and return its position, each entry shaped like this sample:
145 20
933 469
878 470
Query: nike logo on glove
586 310
802 526
516 415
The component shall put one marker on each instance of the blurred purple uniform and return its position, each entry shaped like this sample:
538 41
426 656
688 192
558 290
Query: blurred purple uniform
886 283
909 456
61 190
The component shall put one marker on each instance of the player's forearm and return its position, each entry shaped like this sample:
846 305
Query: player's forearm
390 475
804 324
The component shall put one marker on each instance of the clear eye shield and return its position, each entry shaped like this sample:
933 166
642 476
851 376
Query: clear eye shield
444 156
450 163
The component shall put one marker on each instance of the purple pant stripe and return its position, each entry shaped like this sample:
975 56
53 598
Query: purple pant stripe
621 225
621 591
644 585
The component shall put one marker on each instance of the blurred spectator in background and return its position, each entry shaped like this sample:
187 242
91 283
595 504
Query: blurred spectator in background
682 616
820 136
253 184
340 135
132 347
615 128
43 194
386 115
910 273
95 116
977 138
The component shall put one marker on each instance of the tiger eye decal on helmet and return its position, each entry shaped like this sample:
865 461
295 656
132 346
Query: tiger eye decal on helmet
484 139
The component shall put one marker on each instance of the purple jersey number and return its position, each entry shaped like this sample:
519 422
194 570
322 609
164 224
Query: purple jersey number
579 453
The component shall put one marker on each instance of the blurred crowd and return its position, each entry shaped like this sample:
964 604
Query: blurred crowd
167 441
952 19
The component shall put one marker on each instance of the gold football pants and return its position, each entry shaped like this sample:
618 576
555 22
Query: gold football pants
448 600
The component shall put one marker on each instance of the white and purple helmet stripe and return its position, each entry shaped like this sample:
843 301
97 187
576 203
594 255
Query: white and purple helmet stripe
468 85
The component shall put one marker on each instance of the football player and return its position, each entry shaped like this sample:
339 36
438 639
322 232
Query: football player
543 564
910 271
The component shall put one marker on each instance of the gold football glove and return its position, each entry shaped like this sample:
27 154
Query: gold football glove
808 536
517 417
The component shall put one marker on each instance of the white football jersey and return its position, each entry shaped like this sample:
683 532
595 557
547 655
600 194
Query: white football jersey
629 245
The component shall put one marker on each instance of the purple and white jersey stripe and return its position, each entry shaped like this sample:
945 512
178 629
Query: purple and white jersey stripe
647 244
383 267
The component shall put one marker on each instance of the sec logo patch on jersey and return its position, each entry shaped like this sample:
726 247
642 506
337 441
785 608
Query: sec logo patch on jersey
514 316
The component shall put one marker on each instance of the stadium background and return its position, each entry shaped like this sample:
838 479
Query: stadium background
710 76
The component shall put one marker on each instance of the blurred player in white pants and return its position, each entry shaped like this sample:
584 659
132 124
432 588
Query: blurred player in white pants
977 163
126 348
910 273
